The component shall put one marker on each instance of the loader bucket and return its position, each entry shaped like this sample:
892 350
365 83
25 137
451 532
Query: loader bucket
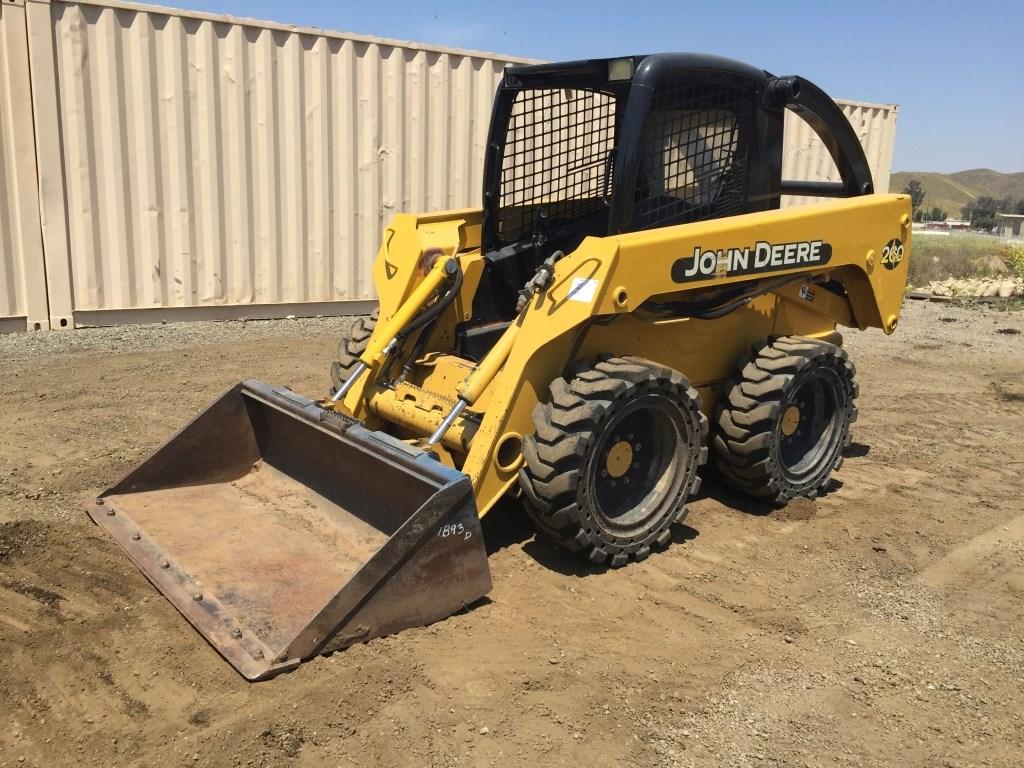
281 530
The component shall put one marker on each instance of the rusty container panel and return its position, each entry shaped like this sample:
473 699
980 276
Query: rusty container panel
281 530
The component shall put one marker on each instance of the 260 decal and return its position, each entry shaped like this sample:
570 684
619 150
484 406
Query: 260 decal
892 254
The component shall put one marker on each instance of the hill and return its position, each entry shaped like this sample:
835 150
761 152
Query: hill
952 191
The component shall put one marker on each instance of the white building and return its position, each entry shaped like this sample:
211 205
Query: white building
1010 225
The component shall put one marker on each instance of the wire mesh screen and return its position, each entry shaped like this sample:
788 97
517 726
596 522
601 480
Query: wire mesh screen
692 164
557 161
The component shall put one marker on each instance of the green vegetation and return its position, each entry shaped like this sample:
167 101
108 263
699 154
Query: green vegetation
935 257
916 192
952 193
982 212
1013 255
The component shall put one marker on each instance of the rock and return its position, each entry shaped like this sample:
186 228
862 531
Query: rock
484 731
991 289
1006 289
993 265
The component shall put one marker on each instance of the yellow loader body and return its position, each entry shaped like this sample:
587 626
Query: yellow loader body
619 274
629 298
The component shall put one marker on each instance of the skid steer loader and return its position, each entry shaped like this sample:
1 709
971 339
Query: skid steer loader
629 298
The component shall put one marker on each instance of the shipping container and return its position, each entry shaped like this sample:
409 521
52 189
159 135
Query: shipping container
192 165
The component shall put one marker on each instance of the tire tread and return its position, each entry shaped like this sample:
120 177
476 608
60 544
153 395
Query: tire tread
748 416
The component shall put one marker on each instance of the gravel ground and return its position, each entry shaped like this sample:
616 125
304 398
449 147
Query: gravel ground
879 625
20 347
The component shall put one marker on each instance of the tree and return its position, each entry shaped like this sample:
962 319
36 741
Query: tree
936 214
916 192
982 212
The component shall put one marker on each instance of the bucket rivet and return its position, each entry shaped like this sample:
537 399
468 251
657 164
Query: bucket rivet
257 654
236 632
164 564
100 502
110 513
136 536
197 596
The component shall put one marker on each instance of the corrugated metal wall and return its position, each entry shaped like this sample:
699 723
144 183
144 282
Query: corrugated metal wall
190 161
22 282
805 156
221 162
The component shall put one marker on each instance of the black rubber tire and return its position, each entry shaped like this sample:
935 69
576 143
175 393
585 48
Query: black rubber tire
351 346
561 480
754 452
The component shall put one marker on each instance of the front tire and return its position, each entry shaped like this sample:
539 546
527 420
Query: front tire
613 459
351 346
786 419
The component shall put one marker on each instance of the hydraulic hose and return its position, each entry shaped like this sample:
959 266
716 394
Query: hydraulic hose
383 347
722 311
704 310
426 320
433 311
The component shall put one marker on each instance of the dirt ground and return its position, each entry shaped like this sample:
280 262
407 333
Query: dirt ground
879 626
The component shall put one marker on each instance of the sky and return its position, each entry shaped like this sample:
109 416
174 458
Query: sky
954 69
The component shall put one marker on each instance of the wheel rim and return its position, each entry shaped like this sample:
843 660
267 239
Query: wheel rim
638 463
810 425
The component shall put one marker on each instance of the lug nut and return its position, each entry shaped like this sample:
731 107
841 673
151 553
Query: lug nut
164 564
136 536
236 632
197 596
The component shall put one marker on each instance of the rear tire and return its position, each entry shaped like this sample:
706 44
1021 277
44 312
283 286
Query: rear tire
613 459
785 420
351 346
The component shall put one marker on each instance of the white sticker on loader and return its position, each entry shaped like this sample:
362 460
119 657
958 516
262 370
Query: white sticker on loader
583 289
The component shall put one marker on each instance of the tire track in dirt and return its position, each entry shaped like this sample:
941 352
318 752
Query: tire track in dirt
879 625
